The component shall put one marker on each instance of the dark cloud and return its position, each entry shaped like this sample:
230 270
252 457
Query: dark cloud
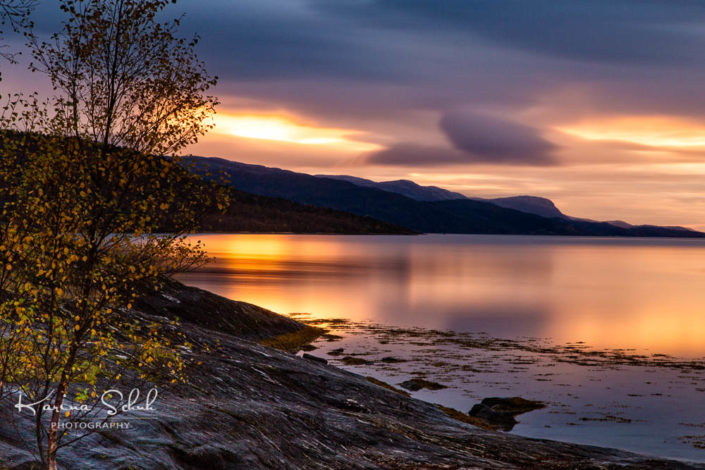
282 39
410 154
491 140
266 39
476 139
351 58
387 39
355 57
635 31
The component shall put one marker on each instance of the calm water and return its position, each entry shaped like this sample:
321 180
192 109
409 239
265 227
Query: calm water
647 294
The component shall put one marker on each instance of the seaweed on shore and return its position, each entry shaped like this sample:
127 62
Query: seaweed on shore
293 342
417 384
387 386
465 418
571 353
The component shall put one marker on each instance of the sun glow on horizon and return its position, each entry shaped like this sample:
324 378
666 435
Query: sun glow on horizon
285 129
650 131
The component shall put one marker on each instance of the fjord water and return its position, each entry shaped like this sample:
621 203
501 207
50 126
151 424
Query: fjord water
643 294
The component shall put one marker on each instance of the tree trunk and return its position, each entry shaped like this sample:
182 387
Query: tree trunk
53 431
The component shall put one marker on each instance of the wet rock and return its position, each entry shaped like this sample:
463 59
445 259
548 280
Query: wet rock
513 405
417 384
330 337
499 413
311 357
355 361
392 360
496 419
336 352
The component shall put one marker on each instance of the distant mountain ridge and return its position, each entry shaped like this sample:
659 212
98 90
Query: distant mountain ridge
457 215
529 204
404 187
623 224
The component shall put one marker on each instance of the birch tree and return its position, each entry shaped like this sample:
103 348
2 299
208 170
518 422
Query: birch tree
90 176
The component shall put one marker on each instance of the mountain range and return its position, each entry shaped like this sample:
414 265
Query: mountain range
531 204
423 209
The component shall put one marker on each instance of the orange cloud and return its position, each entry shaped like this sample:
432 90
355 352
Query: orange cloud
660 132
279 128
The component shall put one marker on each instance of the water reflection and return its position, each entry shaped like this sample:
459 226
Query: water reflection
644 294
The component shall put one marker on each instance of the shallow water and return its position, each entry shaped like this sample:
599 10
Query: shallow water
626 300
644 403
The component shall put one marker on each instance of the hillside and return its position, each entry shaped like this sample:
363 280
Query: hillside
261 214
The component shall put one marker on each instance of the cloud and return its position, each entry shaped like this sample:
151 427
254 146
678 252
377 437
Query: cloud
284 39
264 40
344 57
634 31
476 139
488 139
410 154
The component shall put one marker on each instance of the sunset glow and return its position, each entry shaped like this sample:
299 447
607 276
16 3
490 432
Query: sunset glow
352 234
284 129
651 131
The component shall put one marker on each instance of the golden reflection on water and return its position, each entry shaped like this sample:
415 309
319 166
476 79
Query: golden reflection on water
643 294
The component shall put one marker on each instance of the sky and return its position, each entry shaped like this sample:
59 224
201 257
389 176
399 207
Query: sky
595 104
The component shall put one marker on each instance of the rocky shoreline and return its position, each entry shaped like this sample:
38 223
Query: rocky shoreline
250 406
